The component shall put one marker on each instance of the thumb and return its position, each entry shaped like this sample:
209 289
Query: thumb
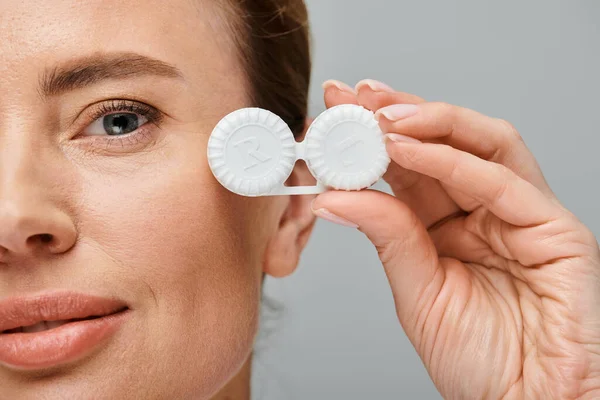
407 252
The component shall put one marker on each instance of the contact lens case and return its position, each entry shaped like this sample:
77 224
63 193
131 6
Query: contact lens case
252 152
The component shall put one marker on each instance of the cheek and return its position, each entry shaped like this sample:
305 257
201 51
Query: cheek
182 244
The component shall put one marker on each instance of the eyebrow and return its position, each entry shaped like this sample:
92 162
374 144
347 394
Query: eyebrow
86 71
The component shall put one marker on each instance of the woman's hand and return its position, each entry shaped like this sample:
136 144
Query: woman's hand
495 283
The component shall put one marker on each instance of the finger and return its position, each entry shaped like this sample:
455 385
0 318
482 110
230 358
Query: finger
485 239
488 138
494 186
336 93
469 239
424 195
374 95
405 249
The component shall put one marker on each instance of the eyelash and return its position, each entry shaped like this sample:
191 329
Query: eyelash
153 116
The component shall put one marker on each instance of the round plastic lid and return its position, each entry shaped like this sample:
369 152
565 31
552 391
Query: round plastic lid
251 152
345 148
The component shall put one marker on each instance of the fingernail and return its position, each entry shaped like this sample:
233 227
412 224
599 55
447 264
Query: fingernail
341 86
375 86
398 138
331 217
397 112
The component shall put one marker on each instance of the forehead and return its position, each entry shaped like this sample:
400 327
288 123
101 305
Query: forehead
38 33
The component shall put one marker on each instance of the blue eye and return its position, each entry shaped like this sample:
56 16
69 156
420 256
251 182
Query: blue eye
116 124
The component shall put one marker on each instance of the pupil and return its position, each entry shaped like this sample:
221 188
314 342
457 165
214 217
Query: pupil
120 124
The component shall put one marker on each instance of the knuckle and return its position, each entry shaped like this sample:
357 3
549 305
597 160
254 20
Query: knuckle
446 116
445 111
413 156
510 132
592 241
443 108
505 178
395 248
388 252
452 173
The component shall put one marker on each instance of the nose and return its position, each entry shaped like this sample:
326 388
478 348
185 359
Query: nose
32 225
33 219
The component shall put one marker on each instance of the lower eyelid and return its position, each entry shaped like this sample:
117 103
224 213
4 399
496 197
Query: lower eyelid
135 141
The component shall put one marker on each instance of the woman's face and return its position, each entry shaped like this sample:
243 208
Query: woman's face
105 112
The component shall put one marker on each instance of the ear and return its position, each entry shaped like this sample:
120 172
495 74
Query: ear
295 225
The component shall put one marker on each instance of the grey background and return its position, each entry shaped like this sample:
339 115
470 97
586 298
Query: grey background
534 63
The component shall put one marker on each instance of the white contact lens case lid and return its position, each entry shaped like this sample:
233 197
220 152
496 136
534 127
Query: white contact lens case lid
252 151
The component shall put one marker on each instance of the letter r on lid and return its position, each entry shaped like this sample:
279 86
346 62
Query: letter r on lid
249 147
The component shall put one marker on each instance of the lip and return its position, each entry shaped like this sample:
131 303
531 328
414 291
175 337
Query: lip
64 344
